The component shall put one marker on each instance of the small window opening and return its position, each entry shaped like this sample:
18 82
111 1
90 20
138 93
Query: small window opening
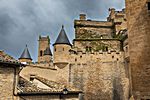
75 59
63 49
86 48
55 49
41 53
106 48
90 49
112 56
148 4
117 59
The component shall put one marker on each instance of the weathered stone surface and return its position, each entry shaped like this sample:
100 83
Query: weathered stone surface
6 83
139 47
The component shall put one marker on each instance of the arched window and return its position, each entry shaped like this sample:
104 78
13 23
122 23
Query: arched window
41 53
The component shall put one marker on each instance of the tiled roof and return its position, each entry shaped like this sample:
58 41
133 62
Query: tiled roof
27 87
55 86
7 59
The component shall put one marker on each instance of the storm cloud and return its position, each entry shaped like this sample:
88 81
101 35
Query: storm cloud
22 21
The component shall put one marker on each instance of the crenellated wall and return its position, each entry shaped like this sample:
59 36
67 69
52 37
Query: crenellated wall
101 75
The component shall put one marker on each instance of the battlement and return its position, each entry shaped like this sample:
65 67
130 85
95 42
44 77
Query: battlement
116 16
92 23
109 56
97 53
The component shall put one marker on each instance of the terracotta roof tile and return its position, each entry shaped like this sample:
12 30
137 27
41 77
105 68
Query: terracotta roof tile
25 86
5 58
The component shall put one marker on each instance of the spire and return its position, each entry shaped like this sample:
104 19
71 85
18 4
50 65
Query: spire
62 37
47 51
25 54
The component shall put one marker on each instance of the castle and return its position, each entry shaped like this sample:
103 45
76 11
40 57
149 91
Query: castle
97 55
108 60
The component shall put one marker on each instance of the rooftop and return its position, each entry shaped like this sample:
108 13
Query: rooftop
27 87
62 38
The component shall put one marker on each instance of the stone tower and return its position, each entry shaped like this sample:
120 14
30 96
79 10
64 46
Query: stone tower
44 52
25 56
61 49
138 18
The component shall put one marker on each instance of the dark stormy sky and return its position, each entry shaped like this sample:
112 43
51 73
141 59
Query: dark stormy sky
21 21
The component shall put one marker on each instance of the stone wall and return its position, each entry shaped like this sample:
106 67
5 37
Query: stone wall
98 44
101 76
139 45
7 75
93 29
61 53
43 71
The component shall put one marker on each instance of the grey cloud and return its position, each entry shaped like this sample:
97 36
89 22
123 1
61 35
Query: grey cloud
21 21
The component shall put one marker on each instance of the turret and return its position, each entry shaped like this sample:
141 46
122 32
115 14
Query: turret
44 52
25 56
61 49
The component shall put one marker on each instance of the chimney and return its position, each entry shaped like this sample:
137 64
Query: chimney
82 16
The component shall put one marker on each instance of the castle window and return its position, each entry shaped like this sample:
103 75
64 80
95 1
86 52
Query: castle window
41 53
75 59
55 49
106 48
86 48
80 56
148 4
90 49
112 56
63 49
117 59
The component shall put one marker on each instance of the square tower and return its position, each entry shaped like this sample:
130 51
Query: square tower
44 52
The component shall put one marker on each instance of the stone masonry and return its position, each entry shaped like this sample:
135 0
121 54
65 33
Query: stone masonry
138 18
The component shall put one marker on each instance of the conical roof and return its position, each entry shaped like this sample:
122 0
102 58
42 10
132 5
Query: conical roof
62 38
47 51
25 54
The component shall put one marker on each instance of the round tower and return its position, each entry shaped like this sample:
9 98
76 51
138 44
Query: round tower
61 49
25 56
